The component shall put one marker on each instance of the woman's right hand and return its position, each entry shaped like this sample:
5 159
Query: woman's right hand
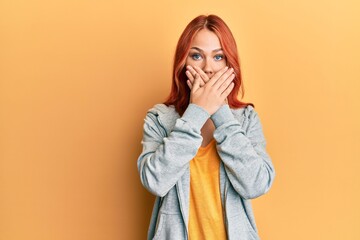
213 93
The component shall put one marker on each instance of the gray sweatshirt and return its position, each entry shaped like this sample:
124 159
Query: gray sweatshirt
170 142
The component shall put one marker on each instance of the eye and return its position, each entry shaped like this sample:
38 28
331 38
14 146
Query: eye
219 57
196 56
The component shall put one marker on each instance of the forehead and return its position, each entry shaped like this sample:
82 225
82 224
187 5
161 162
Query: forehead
206 40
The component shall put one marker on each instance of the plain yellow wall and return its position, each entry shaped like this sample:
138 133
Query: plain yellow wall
78 76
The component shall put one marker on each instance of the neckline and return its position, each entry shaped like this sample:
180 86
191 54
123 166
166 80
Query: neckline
208 145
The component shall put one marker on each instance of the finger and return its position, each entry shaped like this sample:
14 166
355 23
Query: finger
189 84
193 72
192 83
203 75
228 90
223 78
226 83
196 84
217 75
189 75
201 81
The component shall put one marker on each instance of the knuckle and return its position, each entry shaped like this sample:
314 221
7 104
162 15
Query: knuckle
209 89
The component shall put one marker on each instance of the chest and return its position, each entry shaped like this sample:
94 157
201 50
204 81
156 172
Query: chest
207 132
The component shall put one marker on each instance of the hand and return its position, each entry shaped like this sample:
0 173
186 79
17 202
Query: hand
190 73
211 93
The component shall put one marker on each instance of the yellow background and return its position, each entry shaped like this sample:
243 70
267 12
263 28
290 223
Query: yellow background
76 79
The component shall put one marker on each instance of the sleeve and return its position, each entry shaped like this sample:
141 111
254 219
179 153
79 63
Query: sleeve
246 161
164 159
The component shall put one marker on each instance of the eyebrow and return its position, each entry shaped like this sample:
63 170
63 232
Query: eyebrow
200 50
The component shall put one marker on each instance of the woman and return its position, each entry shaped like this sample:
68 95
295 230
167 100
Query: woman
204 153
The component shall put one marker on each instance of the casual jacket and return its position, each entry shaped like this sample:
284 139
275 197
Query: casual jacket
170 142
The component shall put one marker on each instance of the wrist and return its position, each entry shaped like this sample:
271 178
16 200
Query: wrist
222 115
195 115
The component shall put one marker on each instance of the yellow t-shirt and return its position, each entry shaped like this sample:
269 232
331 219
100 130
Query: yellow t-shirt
206 216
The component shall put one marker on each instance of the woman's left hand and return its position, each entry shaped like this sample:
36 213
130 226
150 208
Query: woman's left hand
190 73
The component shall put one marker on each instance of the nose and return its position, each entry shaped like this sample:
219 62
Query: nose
208 68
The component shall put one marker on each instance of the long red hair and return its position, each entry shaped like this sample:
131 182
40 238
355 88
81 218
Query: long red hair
180 92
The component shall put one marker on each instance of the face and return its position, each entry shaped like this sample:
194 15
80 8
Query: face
206 52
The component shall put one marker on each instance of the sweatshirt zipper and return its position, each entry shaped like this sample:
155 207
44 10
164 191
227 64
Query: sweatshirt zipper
225 215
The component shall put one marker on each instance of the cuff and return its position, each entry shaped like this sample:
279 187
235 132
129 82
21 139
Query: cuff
222 115
195 115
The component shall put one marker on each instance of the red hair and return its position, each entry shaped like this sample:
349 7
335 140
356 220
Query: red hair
180 92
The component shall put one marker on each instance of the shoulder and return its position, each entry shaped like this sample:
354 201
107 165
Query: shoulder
248 118
162 109
163 116
246 112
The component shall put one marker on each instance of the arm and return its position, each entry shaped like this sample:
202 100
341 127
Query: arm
164 159
246 161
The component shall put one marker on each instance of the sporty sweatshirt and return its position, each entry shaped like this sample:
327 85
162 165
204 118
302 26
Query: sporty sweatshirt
170 142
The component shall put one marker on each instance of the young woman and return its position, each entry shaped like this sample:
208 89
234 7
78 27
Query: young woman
204 154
